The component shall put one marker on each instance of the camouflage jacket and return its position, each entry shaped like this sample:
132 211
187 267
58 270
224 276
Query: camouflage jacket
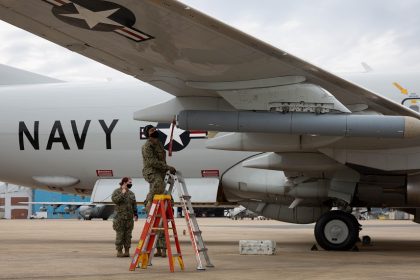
154 159
126 207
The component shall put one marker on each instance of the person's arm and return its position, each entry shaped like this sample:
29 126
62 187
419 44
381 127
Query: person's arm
170 168
134 205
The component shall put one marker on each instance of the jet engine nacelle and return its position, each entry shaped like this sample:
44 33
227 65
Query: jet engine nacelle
242 182
269 193
302 200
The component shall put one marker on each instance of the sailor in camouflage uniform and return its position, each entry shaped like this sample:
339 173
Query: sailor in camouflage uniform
154 171
126 210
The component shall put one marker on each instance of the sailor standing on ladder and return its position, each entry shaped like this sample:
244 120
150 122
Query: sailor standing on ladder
154 170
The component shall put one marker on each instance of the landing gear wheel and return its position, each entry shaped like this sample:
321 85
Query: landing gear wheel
337 231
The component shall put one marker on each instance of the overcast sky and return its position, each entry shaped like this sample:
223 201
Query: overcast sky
334 34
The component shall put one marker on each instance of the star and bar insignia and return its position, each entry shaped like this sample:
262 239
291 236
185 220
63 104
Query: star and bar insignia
180 138
98 15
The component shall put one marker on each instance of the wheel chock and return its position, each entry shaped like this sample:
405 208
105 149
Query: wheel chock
314 248
355 249
366 240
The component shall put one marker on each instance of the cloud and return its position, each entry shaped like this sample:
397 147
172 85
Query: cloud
337 35
27 51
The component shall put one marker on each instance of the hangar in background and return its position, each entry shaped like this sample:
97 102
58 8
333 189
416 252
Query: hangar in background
12 195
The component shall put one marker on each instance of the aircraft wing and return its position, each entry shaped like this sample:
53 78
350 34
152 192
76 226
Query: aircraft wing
58 204
177 49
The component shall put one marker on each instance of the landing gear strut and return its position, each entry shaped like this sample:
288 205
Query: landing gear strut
337 231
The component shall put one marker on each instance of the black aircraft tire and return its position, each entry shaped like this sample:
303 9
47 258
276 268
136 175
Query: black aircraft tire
337 231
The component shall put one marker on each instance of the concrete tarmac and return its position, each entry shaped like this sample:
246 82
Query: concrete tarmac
72 249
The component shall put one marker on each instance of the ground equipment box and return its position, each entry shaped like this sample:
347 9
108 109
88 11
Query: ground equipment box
257 247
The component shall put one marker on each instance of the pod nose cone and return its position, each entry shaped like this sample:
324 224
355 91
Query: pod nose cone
411 127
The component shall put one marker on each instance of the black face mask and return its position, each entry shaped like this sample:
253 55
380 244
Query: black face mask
129 186
155 134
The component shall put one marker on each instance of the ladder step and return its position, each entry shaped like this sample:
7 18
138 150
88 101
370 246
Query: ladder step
186 197
160 228
197 232
202 249
155 233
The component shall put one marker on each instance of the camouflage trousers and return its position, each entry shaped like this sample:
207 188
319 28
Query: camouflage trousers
156 186
123 228
160 242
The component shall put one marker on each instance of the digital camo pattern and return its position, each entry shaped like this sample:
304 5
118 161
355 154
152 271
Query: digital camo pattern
126 209
155 167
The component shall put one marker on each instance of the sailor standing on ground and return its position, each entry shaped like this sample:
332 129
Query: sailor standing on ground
154 171
126 210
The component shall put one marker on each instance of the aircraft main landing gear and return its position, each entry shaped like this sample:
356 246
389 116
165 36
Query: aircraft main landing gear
337 231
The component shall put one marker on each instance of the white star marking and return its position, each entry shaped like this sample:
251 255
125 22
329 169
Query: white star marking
176 135
93 18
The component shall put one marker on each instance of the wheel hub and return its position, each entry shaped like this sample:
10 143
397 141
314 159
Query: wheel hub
336 231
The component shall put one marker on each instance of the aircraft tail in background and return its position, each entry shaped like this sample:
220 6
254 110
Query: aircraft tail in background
13 76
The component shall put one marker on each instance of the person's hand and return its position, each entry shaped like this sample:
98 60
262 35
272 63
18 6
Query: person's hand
124 188
172 170
136 218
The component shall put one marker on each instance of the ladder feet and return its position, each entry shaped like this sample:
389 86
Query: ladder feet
201 268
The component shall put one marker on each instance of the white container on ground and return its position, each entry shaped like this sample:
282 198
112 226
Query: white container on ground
257 247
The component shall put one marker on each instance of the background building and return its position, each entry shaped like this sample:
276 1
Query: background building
10 196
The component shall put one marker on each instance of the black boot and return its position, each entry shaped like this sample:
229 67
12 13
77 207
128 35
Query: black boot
120 253
126 252
158 253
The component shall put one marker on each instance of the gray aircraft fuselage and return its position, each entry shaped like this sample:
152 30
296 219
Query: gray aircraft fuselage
75 130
